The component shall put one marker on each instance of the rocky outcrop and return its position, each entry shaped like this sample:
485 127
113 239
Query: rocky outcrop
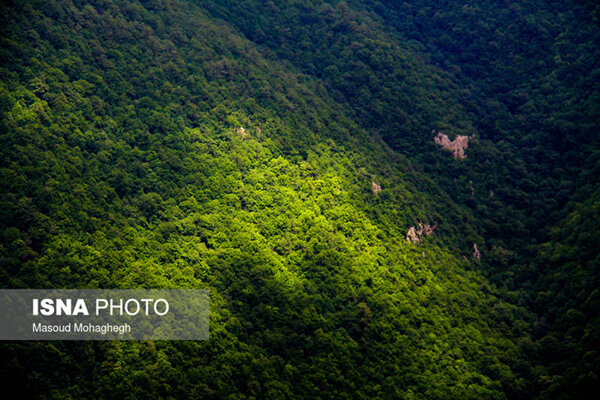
456 146
375 188
476 253
415 234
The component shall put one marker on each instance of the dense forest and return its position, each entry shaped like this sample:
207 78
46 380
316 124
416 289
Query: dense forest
286 156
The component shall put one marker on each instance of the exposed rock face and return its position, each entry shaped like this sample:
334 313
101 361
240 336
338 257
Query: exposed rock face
476 253
242 132
375 187
415 235
411 236
456 146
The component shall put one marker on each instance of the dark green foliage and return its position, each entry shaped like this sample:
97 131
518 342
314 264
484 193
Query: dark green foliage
231 145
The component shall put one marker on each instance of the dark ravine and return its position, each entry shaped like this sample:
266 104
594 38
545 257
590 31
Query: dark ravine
277 154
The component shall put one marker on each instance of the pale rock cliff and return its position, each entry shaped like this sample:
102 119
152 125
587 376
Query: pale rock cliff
456 146
415 235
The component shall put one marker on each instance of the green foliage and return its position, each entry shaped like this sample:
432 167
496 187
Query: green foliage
232 146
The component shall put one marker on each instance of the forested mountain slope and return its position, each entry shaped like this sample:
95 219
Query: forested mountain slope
240 146
523 78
